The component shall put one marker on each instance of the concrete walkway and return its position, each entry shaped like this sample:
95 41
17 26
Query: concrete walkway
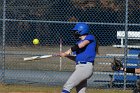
99 79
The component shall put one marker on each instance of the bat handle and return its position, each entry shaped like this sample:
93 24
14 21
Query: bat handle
56 55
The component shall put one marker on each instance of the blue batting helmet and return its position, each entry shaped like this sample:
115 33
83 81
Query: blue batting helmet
81 28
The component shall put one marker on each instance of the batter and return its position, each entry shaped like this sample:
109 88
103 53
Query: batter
85 50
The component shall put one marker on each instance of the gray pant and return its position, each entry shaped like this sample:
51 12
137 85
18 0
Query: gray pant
79 78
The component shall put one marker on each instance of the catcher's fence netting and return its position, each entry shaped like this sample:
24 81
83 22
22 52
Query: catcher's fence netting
50 21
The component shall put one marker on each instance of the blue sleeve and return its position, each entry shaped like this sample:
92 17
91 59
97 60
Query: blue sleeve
90 38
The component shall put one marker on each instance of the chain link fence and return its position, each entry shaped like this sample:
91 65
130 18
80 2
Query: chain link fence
51 21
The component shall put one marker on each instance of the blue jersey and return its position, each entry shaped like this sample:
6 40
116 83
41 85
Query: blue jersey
87 53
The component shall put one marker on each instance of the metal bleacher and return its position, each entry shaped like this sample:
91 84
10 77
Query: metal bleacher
120 78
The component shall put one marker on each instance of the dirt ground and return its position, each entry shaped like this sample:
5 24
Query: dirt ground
54 89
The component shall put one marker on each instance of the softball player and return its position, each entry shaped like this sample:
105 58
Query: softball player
85 50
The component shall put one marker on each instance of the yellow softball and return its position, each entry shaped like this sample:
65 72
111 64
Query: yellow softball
35 41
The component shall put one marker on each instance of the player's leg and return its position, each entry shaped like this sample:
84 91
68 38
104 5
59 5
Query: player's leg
70 83
81 73
81 88
138 86
137 89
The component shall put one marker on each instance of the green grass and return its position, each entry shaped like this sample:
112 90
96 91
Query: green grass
48 89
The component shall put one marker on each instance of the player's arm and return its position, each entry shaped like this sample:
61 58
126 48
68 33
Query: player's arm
67 54
137 71
131 70
71 57
84 43
74 48
80 45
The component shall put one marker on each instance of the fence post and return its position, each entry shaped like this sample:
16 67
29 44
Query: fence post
60 57
3 42
126 37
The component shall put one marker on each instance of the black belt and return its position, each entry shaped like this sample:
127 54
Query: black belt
81 62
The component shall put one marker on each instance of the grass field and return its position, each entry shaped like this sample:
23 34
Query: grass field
55 89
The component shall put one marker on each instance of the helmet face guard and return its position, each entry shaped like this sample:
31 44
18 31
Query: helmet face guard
80 29
76 34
